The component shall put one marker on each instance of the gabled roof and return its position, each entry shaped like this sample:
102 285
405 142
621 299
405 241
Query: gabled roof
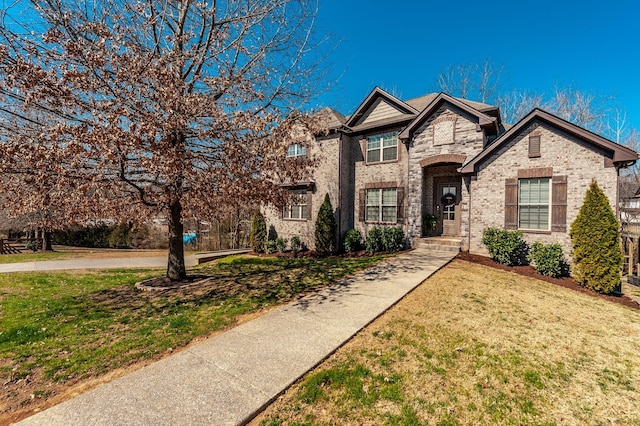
619 153
378 93
483 119
331 118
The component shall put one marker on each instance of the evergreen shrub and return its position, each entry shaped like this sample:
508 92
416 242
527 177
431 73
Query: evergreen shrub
281 244
374 243
258 233
296 244
326 228
548 259
352 240
270 246
392 239
595 239
505 247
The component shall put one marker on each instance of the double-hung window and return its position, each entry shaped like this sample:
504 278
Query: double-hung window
296 150
382 148
382 205
298 208
534 203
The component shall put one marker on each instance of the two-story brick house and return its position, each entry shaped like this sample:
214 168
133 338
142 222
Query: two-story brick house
392 161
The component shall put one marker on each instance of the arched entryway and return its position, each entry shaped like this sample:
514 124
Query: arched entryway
442 196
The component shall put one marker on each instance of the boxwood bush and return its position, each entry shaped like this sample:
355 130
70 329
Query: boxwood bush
387 239
374 242
281 244
352 241
548 259
392 239
505 247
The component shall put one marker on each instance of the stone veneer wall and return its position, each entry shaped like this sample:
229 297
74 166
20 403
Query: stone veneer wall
567 156
325 176
468 141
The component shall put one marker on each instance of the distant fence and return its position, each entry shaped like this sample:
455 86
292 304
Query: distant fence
19 245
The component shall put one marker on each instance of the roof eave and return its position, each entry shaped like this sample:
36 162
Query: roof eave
619 154
371 98
483 119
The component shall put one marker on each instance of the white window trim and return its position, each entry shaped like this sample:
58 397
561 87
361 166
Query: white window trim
299 150
380 205
288 210
381 148
549 205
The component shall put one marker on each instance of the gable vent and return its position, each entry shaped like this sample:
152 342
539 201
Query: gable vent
534 146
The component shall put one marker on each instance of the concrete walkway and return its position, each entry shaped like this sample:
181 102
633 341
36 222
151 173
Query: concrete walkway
127 262
228 379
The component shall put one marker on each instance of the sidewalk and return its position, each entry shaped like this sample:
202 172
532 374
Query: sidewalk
128 262
228 379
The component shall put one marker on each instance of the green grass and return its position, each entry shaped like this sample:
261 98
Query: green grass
34 257
66 326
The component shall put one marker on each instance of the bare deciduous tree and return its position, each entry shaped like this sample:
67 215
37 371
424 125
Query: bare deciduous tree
471 81
514 105
115 109
580 108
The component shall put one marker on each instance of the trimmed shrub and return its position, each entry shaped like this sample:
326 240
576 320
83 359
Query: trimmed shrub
270 246
374 243
258 233
548 259
595 237
352 241
281 244
296 244
505 247
326 228
392 239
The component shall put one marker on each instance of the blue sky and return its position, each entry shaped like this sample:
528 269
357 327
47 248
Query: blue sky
403 45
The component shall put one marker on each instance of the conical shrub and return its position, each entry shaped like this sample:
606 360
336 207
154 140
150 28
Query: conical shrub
595 237
258 235
326 228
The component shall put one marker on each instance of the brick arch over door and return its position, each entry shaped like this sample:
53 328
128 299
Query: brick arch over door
443 158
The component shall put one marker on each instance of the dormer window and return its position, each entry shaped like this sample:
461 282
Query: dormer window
296 150
382 148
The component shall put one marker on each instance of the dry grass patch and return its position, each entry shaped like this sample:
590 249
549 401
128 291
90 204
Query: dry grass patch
475 345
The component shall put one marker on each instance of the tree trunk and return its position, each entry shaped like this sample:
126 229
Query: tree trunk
175 267
46 240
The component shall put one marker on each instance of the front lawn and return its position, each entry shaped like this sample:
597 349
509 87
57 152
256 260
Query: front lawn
60 329
476 345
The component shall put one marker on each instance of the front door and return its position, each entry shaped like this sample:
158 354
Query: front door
447 207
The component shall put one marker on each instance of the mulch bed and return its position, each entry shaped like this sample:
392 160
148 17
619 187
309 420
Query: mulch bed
528 271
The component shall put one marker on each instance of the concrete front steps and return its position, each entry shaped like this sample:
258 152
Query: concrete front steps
438 244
